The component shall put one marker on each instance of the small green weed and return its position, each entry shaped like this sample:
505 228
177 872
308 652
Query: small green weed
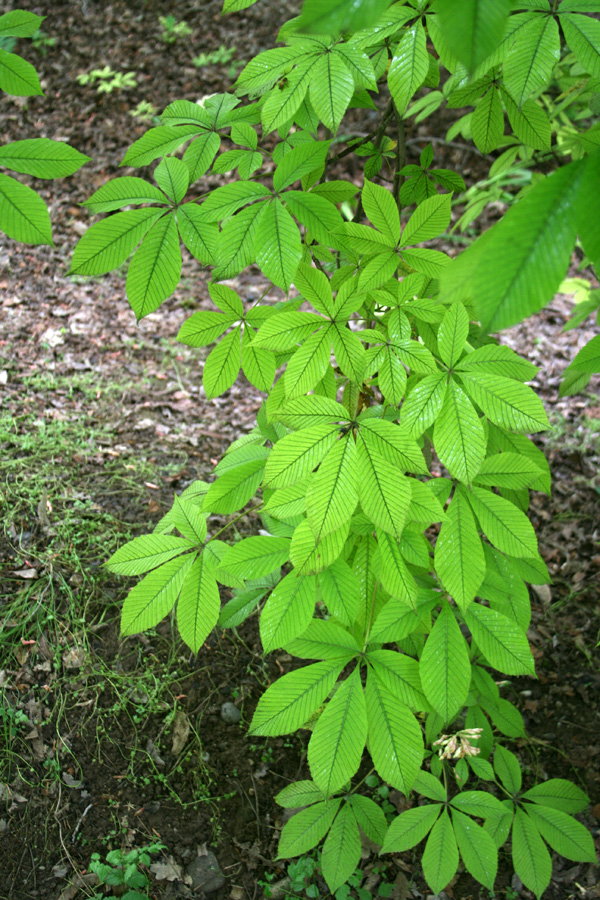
107 80
42 42
124 871
172 30
144 111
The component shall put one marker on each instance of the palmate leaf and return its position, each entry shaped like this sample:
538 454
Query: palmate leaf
529 64
477 849
530 123
150 600
17 76
297 454
278 245
235 245
155 269
564 834
409 828
125 191
530 858
233 489
399 674
199 604
409 67
283 102
333 495
384 492
42 158
317 215
288 611
370 816
459 438
108 243
334 16
188 519
258 364
204 328
440 857
324 640
395 738
502 642
487 122
583 37
222 365
393 444
341 850
428 221
158 142
255 557
422 405
304 412
23 214
396 621
340 591
394 573
516 266
172 176
200 154
472 29
226 200
201 238
587 360
382 210
459 557
300 161
289 703
331 89
493 359
338 739
304 830
444 667
299 794
20 23
558 793
310 556
507 527
283 331
452 333
308 364
145 553
506 402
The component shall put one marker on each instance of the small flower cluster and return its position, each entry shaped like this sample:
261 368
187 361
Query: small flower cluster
455 746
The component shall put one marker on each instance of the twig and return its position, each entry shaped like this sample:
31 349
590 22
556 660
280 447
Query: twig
387 115
436 140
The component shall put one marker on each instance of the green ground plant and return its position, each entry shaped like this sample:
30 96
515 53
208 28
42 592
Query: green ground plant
172 30
124 871
390 464
107 80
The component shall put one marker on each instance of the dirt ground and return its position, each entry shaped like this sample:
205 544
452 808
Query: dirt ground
108 743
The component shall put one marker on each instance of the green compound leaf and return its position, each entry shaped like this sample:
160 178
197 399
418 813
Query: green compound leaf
516 266
506 402
459 438
558 793
324 640
399 674
508 769
199 604
19 23
487 122
428 221
588 358
564 834
409 828
502 642
507 527
341 850
304 830
497 359
222 365
444 667
200 237
477 849
334 16
297 454
233 489
155 269
200 154
255 557
188 519
259 365
383 491
423 404
370 816
583 37
478 803
459 557
331 89
42 158
145 553
204 328
452 334
282 103
288 611
299 794
278 245
173 177
298 162
125 191
395 575
333 494
340 591
150 600
23 215
409 67
317 215
226 200
17 76
308 365
395 737
472 29
528 67
108 243
290 702
530 858
382 210
158 142
336 747
440 857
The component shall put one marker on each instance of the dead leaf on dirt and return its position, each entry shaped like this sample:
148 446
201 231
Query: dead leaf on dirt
143 424
401 889
181 732
168 871
3 376
79 882
30 574
74 658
